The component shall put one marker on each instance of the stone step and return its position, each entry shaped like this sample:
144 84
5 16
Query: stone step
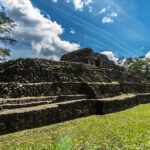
71 97
42 98
36 101
23 105
22 100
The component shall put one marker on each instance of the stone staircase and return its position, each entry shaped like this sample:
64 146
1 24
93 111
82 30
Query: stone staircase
24 102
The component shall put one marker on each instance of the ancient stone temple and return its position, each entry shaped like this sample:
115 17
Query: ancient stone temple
38 92
88 56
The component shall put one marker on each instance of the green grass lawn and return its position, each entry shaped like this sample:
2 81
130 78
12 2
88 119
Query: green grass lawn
129 130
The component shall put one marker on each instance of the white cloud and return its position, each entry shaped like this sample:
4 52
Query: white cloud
107 20
90 9
102 11
72 31
79 4
41 32
54 57
87 2
110 55
55 1
67 1
114 14
148 55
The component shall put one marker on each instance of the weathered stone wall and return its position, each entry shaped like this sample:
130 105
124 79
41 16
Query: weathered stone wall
12 121
42 70
15 90
124 76
116 105
88 56
93 90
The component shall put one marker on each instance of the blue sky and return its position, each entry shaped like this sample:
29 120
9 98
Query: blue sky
51 28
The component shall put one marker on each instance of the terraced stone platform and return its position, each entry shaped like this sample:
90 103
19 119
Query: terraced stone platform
38 92
12 120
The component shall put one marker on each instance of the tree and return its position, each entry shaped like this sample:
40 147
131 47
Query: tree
147 68
128 61
3 53
6 26
139 65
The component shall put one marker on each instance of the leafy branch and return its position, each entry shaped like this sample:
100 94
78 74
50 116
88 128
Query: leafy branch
6 27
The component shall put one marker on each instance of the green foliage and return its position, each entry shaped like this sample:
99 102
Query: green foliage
129 61
6 24
3 53
139 65
5 39
1 22
125 130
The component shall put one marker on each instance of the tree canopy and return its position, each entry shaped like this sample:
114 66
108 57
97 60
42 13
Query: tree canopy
6 26
139 65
